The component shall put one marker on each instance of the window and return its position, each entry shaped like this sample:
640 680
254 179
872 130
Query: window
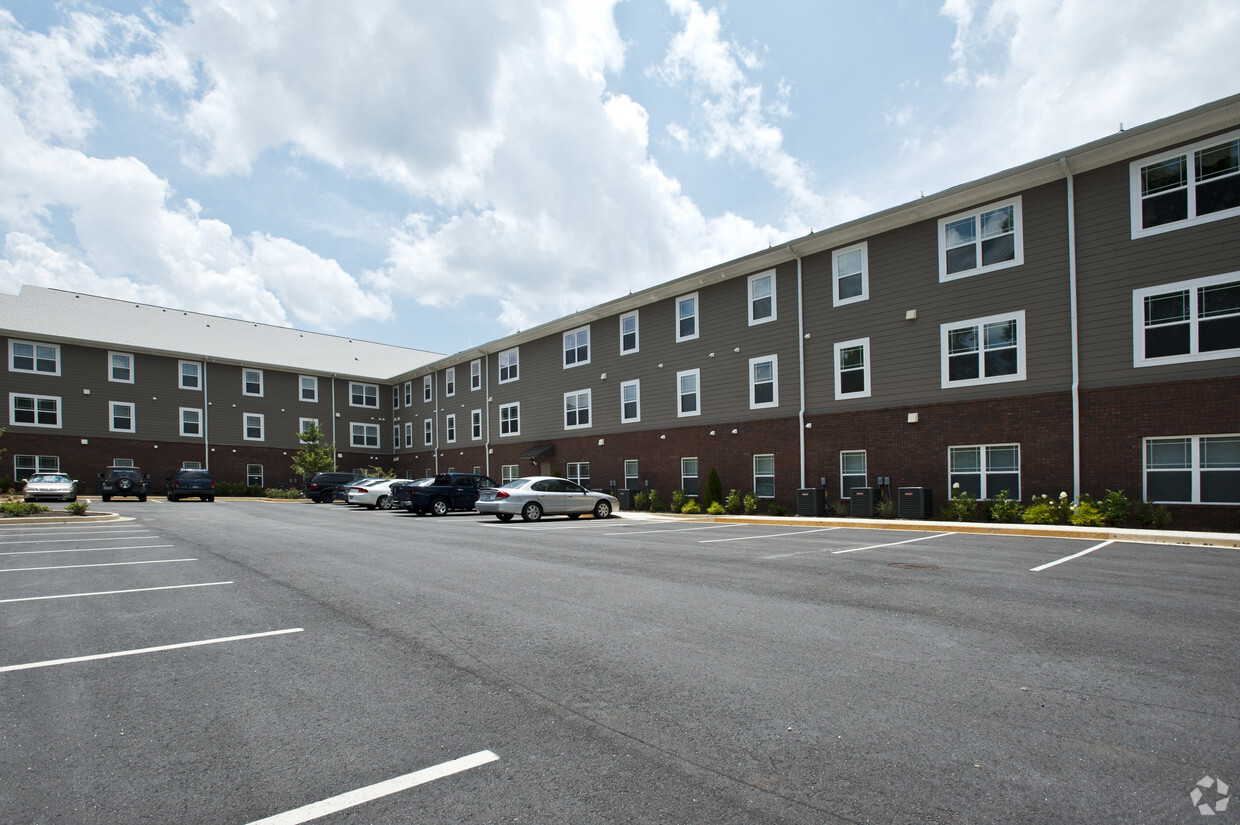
983 350
687 317
304 424
985 471
408 434
762 298
34 410
427 390
191 465
191 422
428 432
122 462
1188 186
764 382
1195 320
24 466
450 423
509 472
630 474
509 365
364 435
475 374
628 333
579 473
689 476
852 471
576 409
254 475
630 401
577 347
850 275
120 367
852 369
764 476
396 397
308 386
687 393
984 240
510 419
251 382
475 425
26 356
1193 469
253 427
449 381
121 417
363 395
191 375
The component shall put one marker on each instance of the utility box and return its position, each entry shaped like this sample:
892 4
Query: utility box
811 502
862 502
625 497
914 503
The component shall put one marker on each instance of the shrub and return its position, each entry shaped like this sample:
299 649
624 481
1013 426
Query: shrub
691 507
960 507
1154 516
679 499
231 488
733 504
14 509
656 503
777 510
272 492
840 508
716 509
77 508
1115 508
714 489
1086 513
1047 510
751 503
1003 509
641 501
886 508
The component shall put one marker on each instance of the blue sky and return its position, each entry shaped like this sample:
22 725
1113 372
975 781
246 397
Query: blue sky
439 174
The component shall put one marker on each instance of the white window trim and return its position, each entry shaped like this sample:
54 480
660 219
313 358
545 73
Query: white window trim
302 422
366 430
1138 322
637 336
984 466
60 410
864 476
364 394
1134 188
770 273
449 382
864 343
428 390
408 435
980 323
697 373
128 355
133 416
697 317
514 366
697 469
638 385
35 357
864 249
1018 240
244 371
1195 469
428 432
771 456
245 427
301 390
517 431
450 429
181 375
564 347
475 425
589 394
202 424
753 384
475 374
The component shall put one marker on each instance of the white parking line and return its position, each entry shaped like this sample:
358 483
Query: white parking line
771 535
377 791
109 564
891 544
160 649
75 538
675 530
110 592
1042 567
85 549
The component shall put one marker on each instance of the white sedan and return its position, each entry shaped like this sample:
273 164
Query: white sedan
371 493
50 485
536 496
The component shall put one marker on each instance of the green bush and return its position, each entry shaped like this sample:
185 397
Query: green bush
1152 516
751 503
840 508
714 489
1003 509
272 492
716 509
778 510
886 508
77 508
960 507
1086 513
656 503
641 501
679 498
1047 510
1115 507
691 507
14 509
733 503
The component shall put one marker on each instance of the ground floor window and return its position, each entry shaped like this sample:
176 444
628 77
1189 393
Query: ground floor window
191 465
852 471
689 476
579 471
122 462
985 470
630 474
254 475
24 466
764 476
509 472
1199 469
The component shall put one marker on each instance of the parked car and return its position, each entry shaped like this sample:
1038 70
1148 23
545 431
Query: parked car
536 496
56 486
322 486
191 483
401 491
124 481
446 491
371 493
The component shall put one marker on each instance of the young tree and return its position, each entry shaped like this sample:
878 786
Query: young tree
714 489
315 456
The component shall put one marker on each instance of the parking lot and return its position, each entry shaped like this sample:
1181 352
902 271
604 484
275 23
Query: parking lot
249 661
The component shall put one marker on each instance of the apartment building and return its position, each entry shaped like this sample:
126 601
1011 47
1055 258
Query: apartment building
1069 325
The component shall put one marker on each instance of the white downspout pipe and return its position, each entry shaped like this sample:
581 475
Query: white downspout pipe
1076 354
800 366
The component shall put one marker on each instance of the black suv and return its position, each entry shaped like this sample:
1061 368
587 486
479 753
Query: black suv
124 481
323 486
189 483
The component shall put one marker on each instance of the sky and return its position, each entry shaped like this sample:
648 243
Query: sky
438 174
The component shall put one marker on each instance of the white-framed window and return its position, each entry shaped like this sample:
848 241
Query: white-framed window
852 471
578 472
687 317
1186 186
449 381
852 369
308 388
408 393
577 347
396 397
121 418
631 401
850 275
29 356
396 435
763 382
24 466
428 432
688 392
510 419
510 365
191 422
427 388
1197 320
629 342
1197 469
475 425
251 382
254 426
689 476
408 434
577 409
985 470
363 435
509 472
304 425
122 462
630 474
450 426
475 374
764 476
34 410
120 367
983 240
190 375
254 475
363 395
987 350
762 297
191 465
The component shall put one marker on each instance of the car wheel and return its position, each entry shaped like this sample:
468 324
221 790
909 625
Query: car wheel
531 511
504 516
439 507
124 484
211 499
384 503
602 509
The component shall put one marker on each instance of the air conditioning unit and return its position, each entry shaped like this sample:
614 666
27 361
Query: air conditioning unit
811 502
862 502
914 503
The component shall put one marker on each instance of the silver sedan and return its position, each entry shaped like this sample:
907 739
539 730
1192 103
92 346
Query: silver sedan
50 485
537 496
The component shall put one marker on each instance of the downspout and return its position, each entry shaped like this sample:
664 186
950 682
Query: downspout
486 411
1076 356
800 364
206 430
435 428
334 453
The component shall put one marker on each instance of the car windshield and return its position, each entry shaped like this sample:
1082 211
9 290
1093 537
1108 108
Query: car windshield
49 479
194 474
517 482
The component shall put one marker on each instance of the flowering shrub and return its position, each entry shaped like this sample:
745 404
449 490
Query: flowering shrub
960 507
77 508
1086 513
1003 509
1047 510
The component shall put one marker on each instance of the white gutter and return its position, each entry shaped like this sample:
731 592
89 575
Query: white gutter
800 366
1076 356
206 432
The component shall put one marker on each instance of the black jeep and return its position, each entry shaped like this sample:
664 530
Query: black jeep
124 481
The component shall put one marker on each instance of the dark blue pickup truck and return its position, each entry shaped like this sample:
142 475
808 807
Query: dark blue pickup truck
438 495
